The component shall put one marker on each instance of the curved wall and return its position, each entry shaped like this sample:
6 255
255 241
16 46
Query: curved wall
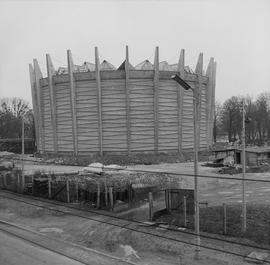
120 110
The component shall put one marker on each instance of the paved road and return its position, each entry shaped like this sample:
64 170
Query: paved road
14 251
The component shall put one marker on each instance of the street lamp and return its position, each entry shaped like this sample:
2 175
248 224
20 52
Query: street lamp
244 205
22 156
181 82
196 92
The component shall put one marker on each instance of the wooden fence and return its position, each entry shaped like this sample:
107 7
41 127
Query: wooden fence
120 110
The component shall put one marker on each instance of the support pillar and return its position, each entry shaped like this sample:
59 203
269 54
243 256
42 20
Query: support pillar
50 73
72 101
127 99
199 72
38 76
156 101
180 98
209 102
99 102
35 106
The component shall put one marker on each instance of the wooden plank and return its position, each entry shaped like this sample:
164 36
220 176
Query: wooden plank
99 101
111 198
213 100
35 105
198 84
49 187
50 73
150 199
72 101
98 195
77 191
64 121
168 115
48 127
209 92
180 97
185 211
224 219
156 102
87 115
203 124
114 120
142 114
38 76
68 190
127 100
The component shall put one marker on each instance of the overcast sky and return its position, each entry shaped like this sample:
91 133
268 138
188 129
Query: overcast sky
236 33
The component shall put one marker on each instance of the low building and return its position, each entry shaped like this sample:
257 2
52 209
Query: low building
255 156
225 156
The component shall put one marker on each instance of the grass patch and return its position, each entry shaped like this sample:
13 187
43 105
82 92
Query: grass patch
211 221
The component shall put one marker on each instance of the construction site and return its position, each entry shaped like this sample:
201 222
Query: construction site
123 171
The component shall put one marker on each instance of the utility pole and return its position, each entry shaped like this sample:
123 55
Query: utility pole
196 95
244 207
22 157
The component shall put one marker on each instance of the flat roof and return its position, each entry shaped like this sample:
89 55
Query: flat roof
257 149
253 149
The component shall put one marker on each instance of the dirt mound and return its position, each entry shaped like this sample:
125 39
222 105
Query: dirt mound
126 159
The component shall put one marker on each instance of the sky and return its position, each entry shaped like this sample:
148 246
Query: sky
235 32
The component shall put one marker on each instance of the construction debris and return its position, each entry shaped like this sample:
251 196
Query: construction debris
256 257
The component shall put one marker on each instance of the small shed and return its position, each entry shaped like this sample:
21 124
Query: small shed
255 156
225 156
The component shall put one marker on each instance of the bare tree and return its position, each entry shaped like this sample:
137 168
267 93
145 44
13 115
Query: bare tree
11 112
231 117
251 128
258 130
262 116
217 120
18 107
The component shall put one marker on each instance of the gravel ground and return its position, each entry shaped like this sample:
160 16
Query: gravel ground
113 240
213 191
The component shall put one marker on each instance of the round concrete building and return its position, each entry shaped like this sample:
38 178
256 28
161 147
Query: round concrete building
97 108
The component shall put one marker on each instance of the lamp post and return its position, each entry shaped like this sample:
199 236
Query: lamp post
196 93
244 206
22 157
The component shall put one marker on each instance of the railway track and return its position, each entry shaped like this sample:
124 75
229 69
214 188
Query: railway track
73 252
96 216
208 243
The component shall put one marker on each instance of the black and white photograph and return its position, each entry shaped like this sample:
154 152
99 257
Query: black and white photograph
134 132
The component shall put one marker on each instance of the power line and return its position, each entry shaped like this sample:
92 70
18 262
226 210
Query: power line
188 175
58 60
190 60
152 56
161 172
173 57
79 60
43 68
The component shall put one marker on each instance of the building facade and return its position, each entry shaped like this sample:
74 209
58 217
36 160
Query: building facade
96 108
